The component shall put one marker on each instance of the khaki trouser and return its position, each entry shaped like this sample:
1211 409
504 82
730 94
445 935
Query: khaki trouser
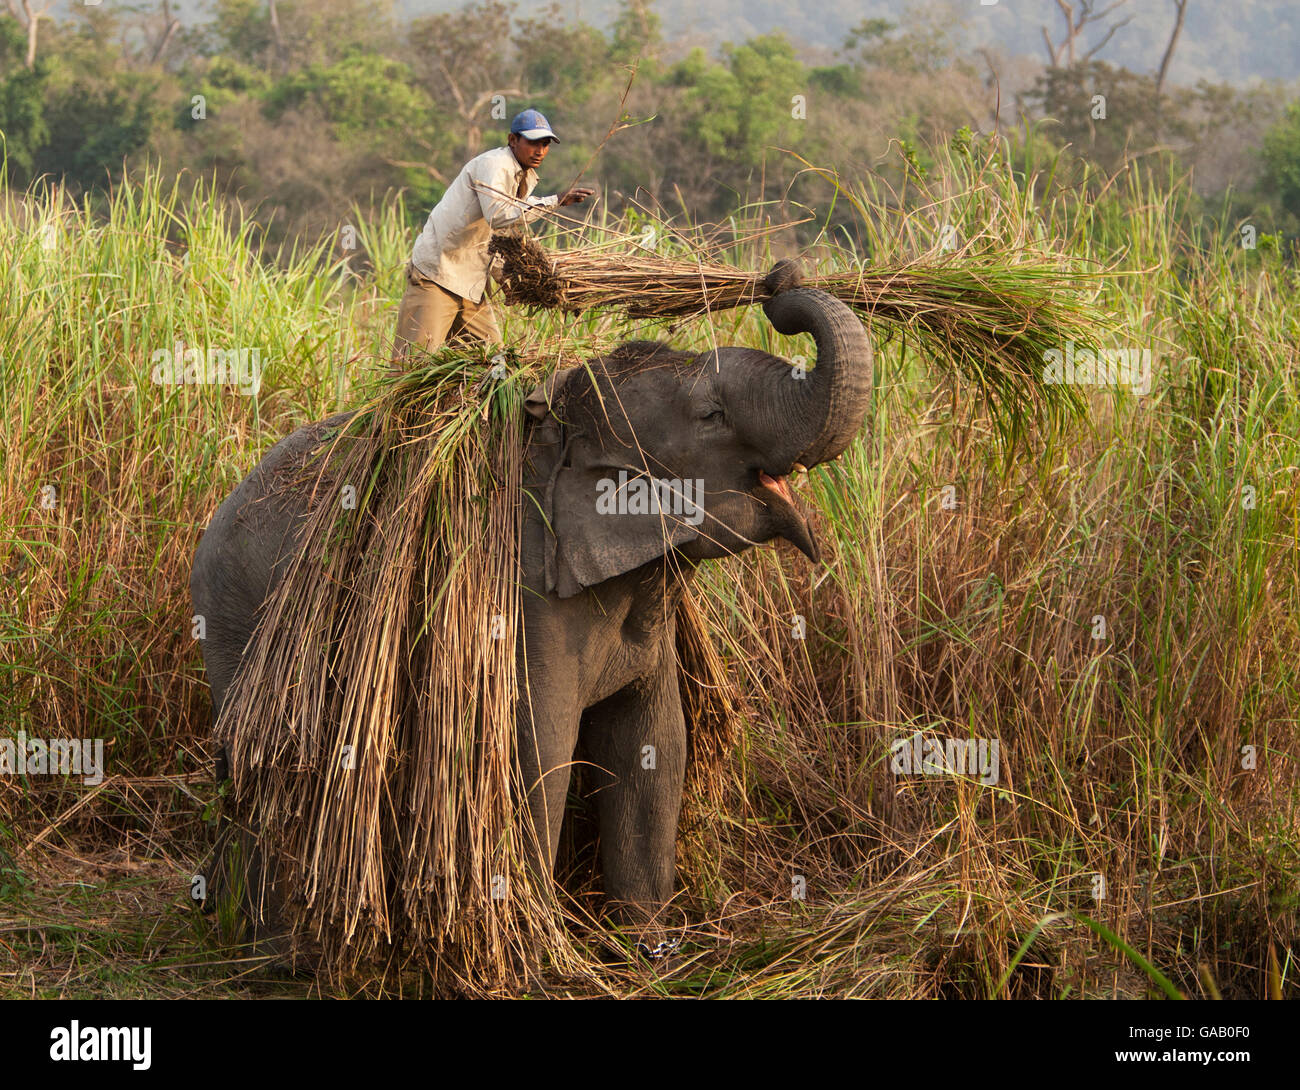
430 315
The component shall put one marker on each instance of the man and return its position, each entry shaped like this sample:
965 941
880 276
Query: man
448 271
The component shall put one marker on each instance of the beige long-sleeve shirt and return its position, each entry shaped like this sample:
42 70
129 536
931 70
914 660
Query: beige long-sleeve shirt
452 248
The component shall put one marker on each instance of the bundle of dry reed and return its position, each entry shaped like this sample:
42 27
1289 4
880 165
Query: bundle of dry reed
991 319
370 729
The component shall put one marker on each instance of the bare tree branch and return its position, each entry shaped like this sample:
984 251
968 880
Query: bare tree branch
432 171
274 14
1056 51
473 130
1104 11
1109 34
1053 56
453 85
170 25
1088 16
30 21
1181 5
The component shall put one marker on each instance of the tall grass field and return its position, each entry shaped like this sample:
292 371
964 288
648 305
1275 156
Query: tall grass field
1110 608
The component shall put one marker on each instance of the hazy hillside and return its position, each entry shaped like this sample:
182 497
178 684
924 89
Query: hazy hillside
1236 42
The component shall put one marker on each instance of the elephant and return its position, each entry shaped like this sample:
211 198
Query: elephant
640 465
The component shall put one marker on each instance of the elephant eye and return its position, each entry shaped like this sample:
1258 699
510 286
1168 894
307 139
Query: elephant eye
713 414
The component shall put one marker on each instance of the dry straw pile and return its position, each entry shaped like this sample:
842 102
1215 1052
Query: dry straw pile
371 727
989 318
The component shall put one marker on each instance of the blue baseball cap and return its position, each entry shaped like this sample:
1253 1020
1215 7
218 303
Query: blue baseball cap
532 126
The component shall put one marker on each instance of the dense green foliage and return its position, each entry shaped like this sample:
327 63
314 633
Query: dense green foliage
336 102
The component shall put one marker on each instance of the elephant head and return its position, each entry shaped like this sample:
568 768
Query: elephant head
653 451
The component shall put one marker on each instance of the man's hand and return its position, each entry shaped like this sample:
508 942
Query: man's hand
576 195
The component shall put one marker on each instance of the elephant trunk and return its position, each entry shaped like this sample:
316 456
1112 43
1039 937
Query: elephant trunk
829 405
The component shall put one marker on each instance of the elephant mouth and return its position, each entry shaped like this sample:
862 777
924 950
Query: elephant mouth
775 493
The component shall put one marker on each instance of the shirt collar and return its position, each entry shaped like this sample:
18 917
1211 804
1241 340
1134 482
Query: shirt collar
518 166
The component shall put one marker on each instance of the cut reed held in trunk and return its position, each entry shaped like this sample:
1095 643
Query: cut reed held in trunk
993 319
375 807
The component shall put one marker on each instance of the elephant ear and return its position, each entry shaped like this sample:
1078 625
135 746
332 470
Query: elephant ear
590 535
598 537
545 397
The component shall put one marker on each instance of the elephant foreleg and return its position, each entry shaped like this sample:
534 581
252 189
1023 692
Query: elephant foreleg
547 734
637 740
